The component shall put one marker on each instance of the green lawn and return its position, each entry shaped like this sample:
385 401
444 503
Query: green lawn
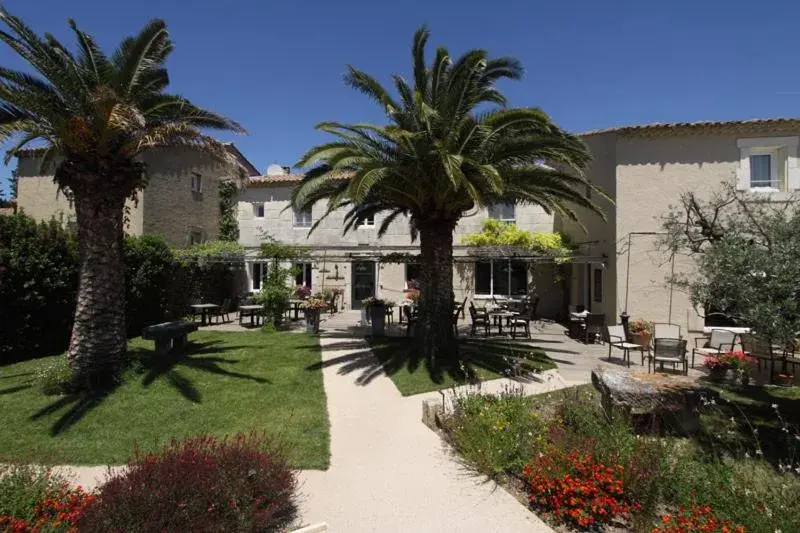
225 383
482 360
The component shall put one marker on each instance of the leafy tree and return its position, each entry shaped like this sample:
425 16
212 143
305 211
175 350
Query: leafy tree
450 145
746 249
148 267
275 290
94 115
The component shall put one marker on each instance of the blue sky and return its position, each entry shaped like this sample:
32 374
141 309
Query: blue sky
276 66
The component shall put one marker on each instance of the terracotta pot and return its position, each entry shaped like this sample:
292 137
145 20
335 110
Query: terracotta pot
786 380
642 338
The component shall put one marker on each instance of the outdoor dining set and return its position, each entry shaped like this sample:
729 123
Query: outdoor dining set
515 314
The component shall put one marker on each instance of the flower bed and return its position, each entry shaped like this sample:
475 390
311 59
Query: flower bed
695 519
576 489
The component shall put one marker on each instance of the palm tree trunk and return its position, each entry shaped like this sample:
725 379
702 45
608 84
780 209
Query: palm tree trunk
435 329
98 344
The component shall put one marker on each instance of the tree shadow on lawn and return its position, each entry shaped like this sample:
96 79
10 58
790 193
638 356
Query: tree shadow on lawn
389 355
154 366
751 409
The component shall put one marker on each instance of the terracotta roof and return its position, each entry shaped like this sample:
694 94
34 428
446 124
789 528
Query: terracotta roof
703 126
266 180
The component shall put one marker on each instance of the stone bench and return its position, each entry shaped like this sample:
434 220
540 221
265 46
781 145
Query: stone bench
169 335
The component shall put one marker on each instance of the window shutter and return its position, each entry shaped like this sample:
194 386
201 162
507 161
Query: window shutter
792 169
743 172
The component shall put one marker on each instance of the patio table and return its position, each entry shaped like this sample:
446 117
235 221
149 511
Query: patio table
204 309
499 315
251 310
294 304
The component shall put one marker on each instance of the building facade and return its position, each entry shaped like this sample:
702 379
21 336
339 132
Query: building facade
647 169
352 262
180 202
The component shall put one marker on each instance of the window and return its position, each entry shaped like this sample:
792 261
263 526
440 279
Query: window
258 273
768 164
501 278
195 237
302 219
598 285
412 273
258 210
303 276
197 183
369 222
504 212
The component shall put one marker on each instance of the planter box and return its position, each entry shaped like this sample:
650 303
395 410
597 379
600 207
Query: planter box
312 320
377 314
642 339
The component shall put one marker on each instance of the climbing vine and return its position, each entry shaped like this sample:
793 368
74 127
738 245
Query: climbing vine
228 227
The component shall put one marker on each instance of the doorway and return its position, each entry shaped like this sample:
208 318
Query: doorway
363 282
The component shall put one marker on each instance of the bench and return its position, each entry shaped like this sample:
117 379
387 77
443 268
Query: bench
169 335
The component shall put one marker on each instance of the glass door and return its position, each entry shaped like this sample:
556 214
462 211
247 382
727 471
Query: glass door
363 281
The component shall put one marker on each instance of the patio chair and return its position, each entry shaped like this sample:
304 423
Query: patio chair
667 331
480 319
669 351
459 310
223 311
523 320
720 341
389 314
594 326
615 337
760 348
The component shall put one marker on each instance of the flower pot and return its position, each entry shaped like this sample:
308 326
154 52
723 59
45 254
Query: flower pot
408 294
641 338
785 380
377 314
312 320
719 374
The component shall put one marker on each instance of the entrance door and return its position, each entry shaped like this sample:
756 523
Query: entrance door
363 281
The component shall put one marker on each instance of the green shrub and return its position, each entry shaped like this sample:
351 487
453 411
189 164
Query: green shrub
38 284
495 434
148 269
54 376
23 486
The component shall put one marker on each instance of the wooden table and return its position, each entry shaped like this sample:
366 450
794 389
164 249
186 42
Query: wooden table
499 315
204 309
250 309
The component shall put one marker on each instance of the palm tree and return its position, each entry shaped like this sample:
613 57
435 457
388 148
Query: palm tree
450 145
92 116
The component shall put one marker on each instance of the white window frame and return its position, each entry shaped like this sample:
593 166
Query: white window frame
302 223
262 265
783 152
492 262
306 282
256 207
197 183
368 223
501 207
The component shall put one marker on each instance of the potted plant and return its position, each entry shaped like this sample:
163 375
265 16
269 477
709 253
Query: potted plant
302 292
313 308
731 365
412 287
641 331
376 313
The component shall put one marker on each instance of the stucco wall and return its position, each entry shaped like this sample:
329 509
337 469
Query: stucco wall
278 222
652 175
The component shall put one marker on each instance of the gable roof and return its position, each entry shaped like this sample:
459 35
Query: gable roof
267 180
660 129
